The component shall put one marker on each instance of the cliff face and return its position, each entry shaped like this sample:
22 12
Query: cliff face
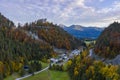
108 43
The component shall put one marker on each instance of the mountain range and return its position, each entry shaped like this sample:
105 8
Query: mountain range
83 32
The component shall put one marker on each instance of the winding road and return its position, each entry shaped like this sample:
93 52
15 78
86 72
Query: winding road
32 74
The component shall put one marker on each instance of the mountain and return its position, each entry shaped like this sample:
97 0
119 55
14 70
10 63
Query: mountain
17 49
108 43
62 26
83 32
5 22
53 35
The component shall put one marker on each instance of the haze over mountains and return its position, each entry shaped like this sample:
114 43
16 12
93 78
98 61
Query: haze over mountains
82 31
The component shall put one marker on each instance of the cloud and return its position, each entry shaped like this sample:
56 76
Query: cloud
86 12
101 0
110 13
75 9
115 7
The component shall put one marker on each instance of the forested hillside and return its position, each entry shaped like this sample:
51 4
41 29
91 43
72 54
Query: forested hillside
17 49
4 22
53 34
108 44
83 67
32 42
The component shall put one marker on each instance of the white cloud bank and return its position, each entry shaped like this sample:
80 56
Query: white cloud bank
61 11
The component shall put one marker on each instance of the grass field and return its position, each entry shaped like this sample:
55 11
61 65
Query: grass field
12 77
45 75
15 75
44 65
89 42
49 75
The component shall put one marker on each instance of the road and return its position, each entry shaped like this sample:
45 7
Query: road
90 52
32 74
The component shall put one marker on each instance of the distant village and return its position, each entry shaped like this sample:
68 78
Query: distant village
62 58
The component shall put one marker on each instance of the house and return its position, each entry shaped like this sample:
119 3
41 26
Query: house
76 52
26 67
64 57
53 60
33 35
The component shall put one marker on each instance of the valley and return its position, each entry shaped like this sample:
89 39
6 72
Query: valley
43 50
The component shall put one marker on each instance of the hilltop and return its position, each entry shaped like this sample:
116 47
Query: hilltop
108 43
53 34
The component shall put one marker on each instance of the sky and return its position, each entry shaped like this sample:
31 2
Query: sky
99 13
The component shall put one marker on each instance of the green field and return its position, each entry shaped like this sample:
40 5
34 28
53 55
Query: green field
45 75
44 65
89 42
15 75
12 77
49 75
